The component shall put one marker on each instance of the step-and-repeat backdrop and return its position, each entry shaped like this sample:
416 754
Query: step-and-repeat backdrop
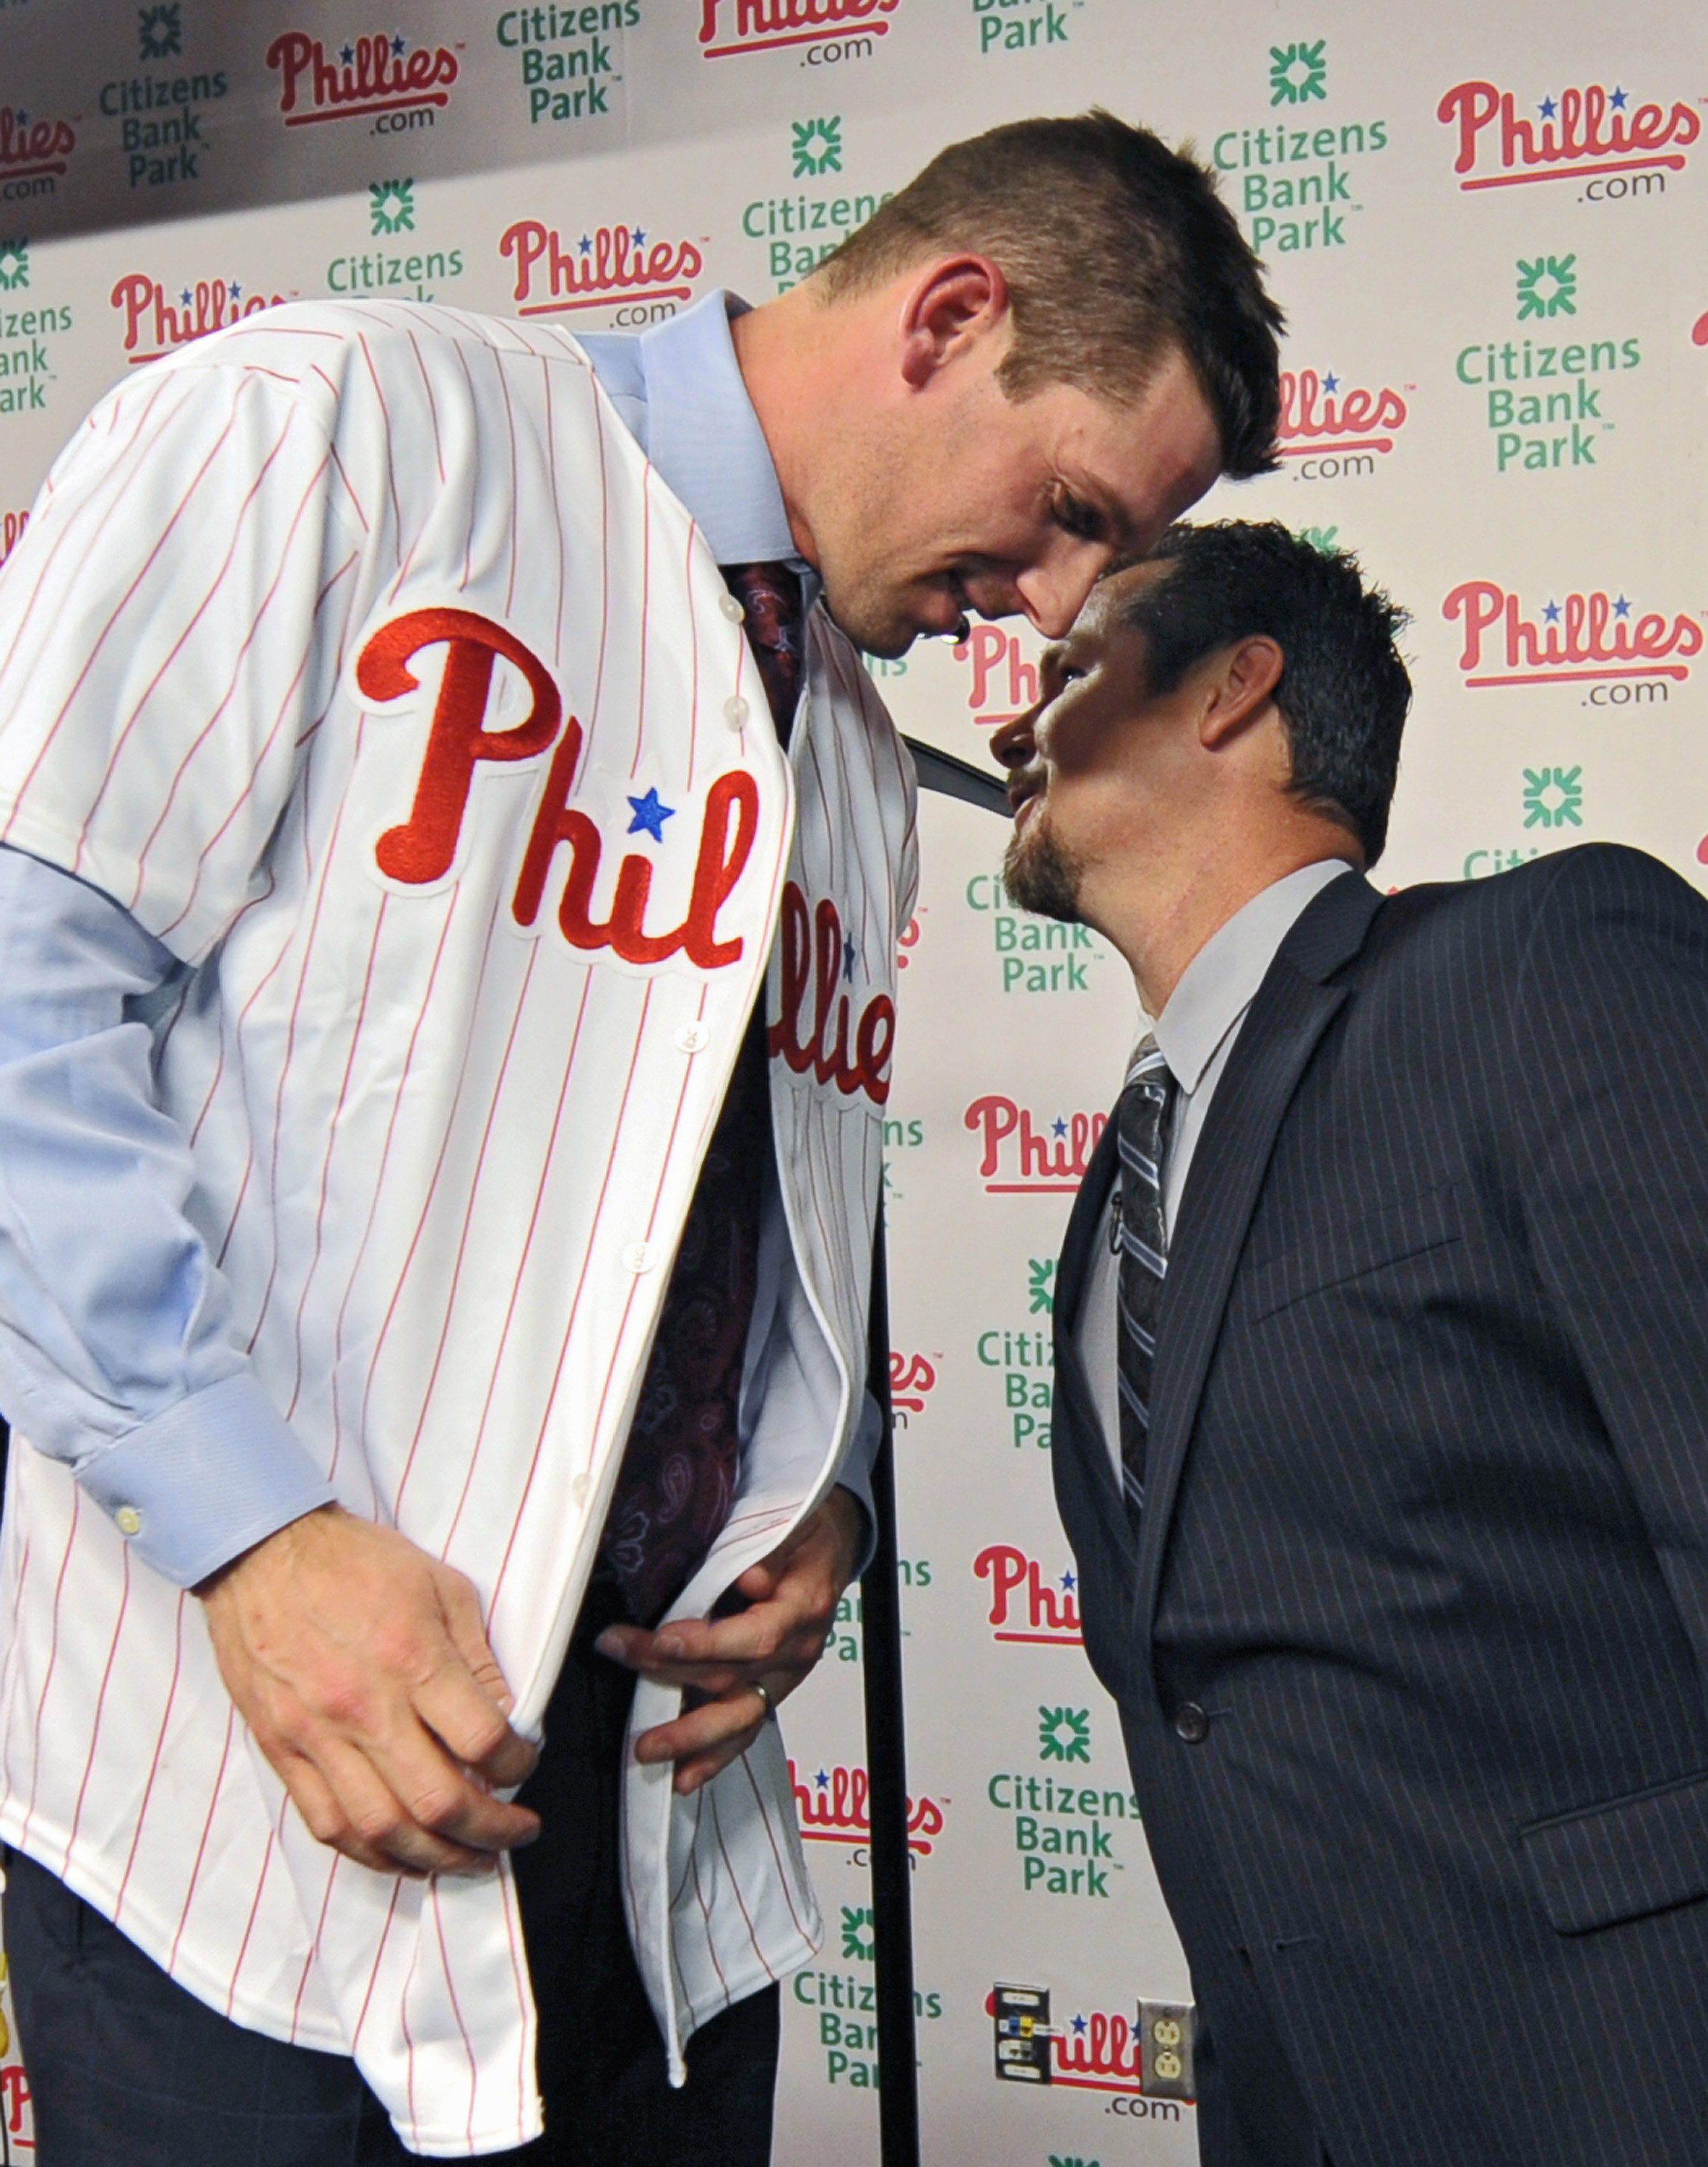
1487 228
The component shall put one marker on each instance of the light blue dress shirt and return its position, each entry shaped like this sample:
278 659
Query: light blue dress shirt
117 1353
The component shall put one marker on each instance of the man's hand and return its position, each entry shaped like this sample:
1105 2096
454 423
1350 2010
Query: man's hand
792 1598
362 1667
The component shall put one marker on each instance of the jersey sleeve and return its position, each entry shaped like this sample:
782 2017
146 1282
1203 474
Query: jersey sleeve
171 626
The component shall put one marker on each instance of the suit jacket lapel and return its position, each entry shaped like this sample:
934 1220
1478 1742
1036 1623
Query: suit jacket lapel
1291 1010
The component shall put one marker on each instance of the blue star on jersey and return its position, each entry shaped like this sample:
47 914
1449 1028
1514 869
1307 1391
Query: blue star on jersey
650 816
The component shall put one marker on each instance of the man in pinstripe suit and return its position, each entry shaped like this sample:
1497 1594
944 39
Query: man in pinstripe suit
1405 1604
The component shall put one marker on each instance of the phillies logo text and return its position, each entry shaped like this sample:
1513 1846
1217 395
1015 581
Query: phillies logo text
1587 639
1591 131
1052 1160
835 1807
1322 421
366 76
1023 1605
1000 669
34 149
758 26
816 958
423 850
912 1377
154 326
611 265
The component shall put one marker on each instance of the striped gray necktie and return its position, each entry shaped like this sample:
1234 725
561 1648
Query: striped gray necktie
1140 1126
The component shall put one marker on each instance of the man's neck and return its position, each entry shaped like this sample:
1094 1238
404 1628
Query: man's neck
779 350
1159 932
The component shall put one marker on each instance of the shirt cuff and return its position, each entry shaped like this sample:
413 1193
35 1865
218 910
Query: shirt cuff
192 1488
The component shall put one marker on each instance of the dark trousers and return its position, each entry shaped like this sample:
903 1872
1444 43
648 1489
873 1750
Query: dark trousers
125 2066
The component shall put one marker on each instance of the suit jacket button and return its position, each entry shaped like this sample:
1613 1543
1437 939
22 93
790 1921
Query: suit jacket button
1190 1724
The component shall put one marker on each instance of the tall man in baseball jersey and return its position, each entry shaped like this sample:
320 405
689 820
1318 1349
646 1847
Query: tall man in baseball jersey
402 818
1379 1429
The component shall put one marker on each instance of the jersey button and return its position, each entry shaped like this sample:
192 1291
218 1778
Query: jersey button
127 1520
694 1037
735 713
639 1257
730 608
1191 1726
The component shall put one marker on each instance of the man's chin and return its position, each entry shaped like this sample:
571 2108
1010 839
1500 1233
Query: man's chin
1039 876
883 640
881 628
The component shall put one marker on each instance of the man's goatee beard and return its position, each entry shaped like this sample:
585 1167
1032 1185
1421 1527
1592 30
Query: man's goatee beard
1038 875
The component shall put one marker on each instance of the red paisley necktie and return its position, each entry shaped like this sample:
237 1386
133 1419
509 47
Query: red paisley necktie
680 1465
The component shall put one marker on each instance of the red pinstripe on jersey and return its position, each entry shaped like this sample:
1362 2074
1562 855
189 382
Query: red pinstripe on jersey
361 1002
68 536
208 727
373 1975
516 1283
294 1017
266 1859
379 1182
735 1883
420 1225
570 1325
113 616
433 1905
207 1831
53 1650
466 1217
182 639
100 1710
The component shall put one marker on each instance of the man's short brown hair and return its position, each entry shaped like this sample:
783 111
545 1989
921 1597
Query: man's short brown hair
1117 251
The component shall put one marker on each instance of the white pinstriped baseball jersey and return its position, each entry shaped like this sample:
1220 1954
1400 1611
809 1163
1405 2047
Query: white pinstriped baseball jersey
342 650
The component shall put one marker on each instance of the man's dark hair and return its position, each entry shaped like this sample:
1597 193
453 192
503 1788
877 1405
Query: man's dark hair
1344 690
1117 251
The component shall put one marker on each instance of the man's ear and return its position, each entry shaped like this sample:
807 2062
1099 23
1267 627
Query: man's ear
1244 676
947 308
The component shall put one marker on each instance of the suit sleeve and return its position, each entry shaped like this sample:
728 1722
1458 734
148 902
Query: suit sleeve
1610 1030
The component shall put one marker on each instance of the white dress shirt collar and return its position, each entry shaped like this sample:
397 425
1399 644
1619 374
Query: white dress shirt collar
1219 983
705 439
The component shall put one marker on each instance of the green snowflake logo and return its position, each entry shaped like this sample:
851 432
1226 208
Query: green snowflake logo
1321 538
1063 1734
1552 796
1297 73
15 265
859 1933
393 207
160 33
1043 1271
818 147
1547 287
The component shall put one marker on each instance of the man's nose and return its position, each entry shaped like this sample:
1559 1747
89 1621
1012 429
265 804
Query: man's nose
1012 743
1053 591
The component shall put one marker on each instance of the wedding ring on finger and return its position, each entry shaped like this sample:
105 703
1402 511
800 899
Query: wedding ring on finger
769 1705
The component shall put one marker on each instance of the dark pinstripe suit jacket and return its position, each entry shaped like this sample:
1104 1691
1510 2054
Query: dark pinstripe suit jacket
1427 1533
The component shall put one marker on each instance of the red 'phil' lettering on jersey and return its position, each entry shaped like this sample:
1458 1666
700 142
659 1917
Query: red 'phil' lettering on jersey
424 848
812 1035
